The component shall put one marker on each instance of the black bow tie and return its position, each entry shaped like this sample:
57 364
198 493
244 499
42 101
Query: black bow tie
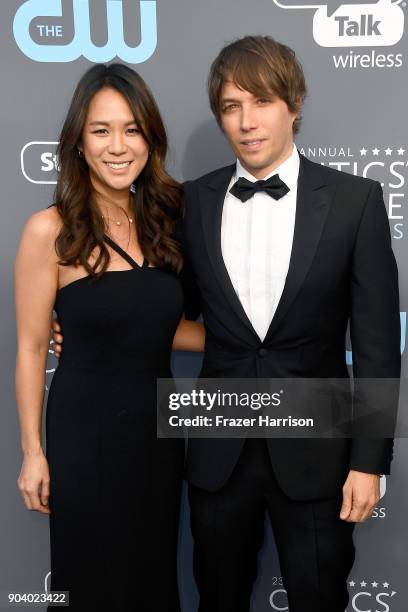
244 189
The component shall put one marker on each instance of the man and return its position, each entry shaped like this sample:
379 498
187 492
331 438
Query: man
280 268
279 280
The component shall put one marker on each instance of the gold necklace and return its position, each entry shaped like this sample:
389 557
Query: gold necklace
130 219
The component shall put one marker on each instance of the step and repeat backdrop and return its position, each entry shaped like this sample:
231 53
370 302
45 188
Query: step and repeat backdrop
355 57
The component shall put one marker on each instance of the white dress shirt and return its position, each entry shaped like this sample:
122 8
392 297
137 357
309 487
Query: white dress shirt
256 243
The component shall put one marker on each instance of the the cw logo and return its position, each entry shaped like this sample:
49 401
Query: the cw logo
82 43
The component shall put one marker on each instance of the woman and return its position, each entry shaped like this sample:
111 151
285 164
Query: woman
105 257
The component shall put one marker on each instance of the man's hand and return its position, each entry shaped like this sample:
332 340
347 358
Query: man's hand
57 337
361 493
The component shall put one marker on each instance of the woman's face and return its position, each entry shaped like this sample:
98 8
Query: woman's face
112 144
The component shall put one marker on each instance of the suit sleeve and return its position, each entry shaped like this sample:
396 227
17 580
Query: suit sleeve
375 335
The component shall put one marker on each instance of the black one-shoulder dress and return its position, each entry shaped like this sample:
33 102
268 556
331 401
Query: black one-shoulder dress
114 487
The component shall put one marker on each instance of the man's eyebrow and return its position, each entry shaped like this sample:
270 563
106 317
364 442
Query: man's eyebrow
108 123
228 100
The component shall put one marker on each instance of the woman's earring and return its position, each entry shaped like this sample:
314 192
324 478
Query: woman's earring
80 153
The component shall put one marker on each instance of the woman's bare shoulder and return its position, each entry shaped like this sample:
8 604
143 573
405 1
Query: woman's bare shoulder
39 234
44 224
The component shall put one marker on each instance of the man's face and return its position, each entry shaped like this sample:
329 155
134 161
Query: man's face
259 130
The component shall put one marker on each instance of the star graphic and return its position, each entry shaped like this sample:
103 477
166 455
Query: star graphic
401 151
363 151
352 583
374 584
363 584
376 151
386 584
388 151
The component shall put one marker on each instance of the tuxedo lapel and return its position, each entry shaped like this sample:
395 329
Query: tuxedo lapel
314 197
212 192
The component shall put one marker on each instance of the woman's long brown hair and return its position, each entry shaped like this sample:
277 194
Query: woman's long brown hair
157 198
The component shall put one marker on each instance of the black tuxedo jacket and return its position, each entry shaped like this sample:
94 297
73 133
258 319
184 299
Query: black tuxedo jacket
342 269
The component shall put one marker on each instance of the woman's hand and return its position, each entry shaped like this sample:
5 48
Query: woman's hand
34 482
189 336
57 337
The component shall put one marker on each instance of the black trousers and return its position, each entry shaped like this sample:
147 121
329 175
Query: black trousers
315 547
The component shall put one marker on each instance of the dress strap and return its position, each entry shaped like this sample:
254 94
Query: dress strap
123 253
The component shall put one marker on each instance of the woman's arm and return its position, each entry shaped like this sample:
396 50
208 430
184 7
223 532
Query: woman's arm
36 283
189 336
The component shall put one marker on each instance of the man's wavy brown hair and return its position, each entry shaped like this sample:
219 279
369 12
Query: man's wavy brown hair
157 198
262 66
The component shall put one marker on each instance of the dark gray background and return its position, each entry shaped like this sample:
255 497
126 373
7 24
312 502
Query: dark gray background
350 108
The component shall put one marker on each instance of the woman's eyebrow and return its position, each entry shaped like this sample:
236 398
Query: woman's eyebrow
108 122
